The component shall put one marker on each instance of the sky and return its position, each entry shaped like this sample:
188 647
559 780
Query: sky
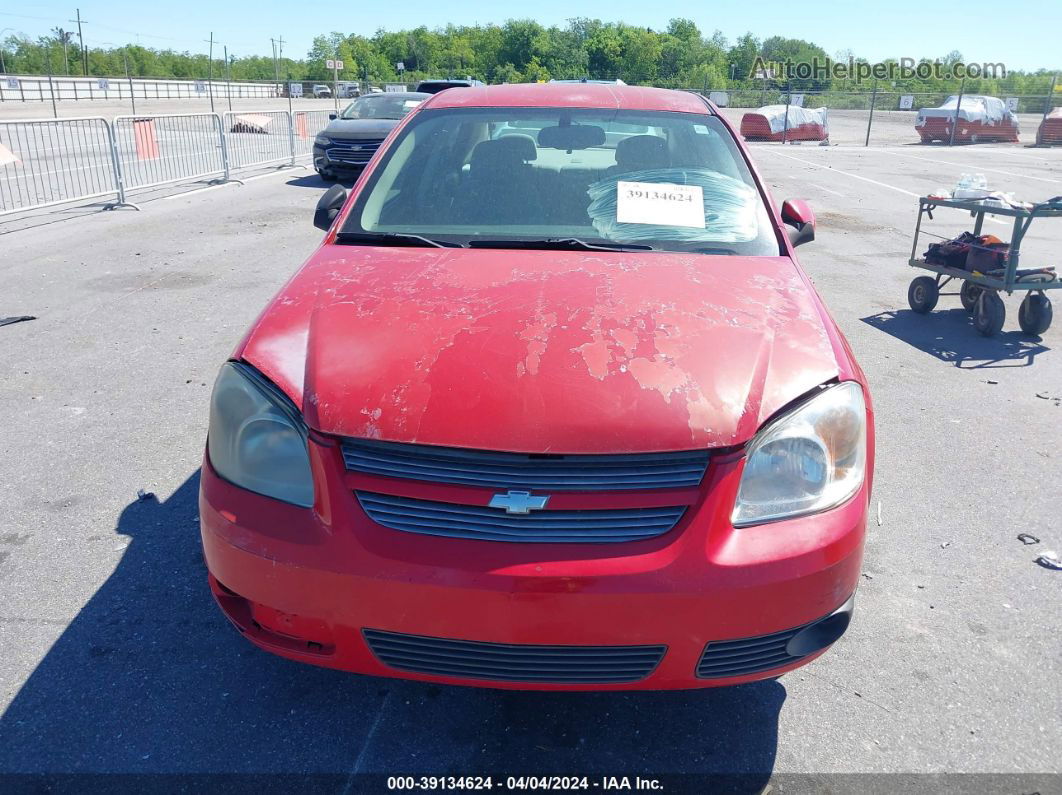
1022 35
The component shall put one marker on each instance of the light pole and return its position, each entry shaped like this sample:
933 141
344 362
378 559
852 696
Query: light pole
3 66
81 40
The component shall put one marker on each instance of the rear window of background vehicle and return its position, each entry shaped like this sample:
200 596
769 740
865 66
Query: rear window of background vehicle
380 106
674 181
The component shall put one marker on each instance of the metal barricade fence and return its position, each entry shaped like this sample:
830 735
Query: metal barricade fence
155 150
257 138
56 161
306 124
46 162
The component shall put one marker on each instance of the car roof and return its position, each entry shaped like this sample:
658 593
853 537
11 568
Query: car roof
398 94
572 95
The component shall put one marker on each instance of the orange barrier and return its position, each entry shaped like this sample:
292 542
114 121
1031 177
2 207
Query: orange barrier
7 156
147 144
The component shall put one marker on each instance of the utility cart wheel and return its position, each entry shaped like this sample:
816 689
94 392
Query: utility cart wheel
923 294
969 294
989 313
1034 314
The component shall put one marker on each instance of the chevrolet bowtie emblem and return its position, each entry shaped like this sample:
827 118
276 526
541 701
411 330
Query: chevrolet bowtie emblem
518 502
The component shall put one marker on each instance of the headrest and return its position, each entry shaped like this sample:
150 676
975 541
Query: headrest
522 143
510 151
642 151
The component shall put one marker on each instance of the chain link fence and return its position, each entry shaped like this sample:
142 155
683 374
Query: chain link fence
884 117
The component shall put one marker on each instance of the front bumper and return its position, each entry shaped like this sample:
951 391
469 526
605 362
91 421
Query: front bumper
322 162
315 585
938 128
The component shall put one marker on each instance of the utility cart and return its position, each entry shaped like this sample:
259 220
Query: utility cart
980 292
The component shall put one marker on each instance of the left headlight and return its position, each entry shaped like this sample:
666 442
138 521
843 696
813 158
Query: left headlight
809 460
257 439
321 140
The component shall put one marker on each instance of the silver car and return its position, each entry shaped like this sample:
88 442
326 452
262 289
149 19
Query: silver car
353 136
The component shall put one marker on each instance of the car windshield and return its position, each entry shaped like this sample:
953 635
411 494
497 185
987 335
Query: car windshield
380 106
607 178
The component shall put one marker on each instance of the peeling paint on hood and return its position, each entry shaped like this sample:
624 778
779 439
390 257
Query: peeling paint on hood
544 351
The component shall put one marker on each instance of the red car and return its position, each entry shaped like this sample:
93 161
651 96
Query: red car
980 119
785 123
1050 131
552 406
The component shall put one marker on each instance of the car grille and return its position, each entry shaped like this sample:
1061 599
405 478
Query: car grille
724 658
454 520
531 471
353 151
507 662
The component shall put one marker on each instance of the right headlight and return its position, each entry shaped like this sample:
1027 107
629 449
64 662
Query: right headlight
322 140
809 460
257 439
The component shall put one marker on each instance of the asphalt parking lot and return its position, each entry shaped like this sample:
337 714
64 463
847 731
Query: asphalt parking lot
116 660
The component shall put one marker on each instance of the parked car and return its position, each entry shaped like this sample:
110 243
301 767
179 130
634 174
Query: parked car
435 86
321 91
616 82
785 123
1049 132
979 119
353 136
555 410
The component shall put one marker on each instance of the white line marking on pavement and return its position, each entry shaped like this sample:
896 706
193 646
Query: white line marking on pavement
197 190
368 741
286 173
846 173
223 185
980 167
828 190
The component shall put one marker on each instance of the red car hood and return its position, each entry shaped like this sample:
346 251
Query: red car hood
544 351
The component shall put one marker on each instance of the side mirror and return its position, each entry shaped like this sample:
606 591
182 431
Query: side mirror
328 207
333 116
801 220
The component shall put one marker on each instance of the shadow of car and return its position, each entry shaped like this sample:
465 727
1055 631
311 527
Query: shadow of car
149 678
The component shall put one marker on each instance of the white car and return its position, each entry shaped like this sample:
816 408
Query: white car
320 90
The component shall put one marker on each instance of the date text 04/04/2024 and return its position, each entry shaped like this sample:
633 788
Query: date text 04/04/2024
523 783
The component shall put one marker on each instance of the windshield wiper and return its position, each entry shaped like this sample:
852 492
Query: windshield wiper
559 244
391 239
727 251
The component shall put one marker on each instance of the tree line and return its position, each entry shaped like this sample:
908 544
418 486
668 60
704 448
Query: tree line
520 50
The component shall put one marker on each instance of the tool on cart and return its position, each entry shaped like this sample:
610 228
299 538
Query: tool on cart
986 265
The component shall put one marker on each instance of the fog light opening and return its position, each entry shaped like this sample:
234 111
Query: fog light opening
821 634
